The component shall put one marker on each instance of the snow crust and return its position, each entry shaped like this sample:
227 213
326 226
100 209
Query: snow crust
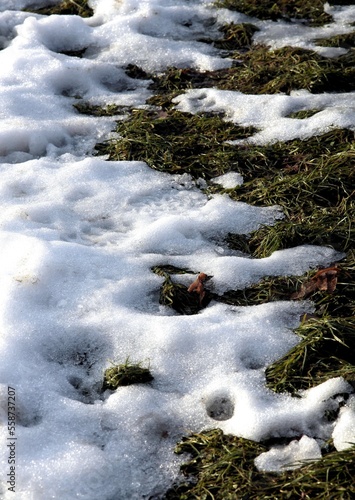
79 236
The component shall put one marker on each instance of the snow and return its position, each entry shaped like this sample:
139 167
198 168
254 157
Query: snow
289 457
344 431
229 180
269 113
79 236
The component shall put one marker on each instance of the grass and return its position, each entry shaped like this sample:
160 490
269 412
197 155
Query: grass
265 71
310 12
222 468
345 41
327 339
176 142
325 351
261 70
303 113
313 180
86 108
124 374
66 7
235 37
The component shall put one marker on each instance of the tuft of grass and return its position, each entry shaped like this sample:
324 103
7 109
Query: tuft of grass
66 7
235 37
308 11
176 142
312 180
86 108
126 374
303 113
345 41
222 467
261 70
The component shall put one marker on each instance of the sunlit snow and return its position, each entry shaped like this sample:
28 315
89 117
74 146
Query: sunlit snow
79 236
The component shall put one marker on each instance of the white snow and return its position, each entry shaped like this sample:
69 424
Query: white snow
269 113
78 238
229 180
290 456
344 431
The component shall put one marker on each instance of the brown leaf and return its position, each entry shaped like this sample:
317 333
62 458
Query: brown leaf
305 290
324 280
332 282
198 287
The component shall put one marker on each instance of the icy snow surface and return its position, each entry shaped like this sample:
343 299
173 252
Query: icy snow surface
78 238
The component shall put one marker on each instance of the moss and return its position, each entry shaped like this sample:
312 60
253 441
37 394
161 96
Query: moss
126 374
176 142
311 12
66 7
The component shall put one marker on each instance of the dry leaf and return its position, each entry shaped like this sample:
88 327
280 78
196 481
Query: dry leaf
324 280
198 287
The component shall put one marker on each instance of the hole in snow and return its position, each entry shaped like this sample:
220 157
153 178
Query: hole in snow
220 407
86 391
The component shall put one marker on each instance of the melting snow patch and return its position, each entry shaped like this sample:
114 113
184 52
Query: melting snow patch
292 456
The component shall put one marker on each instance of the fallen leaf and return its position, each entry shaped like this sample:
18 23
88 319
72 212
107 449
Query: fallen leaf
325 280
198 287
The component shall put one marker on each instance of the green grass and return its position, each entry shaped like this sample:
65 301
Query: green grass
124 374
325 351
261 70
222 467
309 11
265 71
235 37
345 41
312 180
86 108
327 339
66 7
176 295
176 142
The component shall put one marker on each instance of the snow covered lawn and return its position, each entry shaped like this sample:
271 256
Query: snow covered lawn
79 236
